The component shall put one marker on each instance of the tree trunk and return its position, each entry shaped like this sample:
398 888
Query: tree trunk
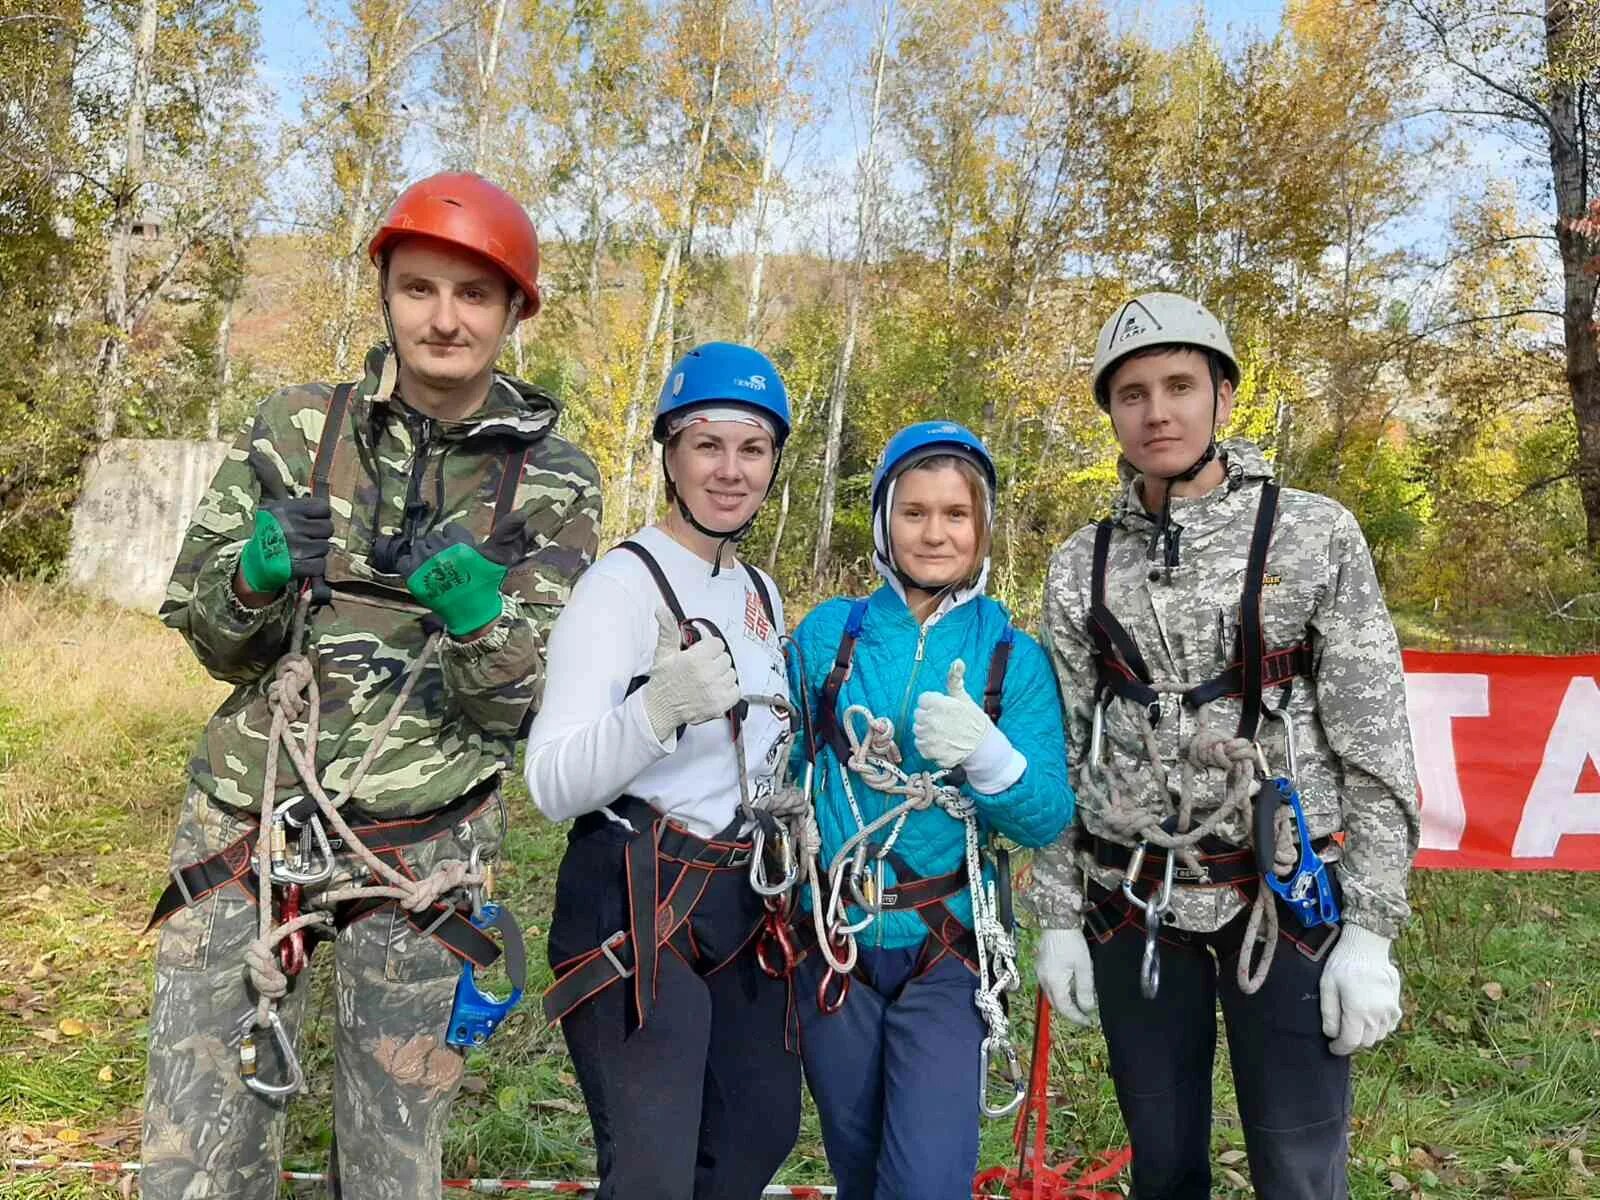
769 137
866 228
1568 153
677 233
350 264
222 372
486 72
114 347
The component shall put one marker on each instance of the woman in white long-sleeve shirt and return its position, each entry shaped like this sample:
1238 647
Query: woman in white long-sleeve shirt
677 1035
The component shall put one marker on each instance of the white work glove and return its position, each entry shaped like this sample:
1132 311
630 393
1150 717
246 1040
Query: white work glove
1360 991
687 687
1066 975
952 730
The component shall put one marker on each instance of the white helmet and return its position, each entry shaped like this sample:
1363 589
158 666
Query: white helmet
1159 319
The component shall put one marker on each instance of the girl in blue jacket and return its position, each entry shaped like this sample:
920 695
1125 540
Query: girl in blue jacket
894 1049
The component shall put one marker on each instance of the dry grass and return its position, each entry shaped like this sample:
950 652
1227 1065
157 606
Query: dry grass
97 706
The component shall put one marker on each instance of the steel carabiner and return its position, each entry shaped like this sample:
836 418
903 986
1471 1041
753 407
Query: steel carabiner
249 1066
299 873
1002 1048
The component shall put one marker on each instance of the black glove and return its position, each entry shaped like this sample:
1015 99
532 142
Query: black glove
291 537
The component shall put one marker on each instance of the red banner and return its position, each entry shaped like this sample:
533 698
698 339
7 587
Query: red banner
1508 760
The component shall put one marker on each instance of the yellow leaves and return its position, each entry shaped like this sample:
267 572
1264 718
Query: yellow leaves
106 1074
72 1027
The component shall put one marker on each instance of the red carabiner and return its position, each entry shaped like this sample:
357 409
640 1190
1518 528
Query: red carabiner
829 1005
292 950
775 930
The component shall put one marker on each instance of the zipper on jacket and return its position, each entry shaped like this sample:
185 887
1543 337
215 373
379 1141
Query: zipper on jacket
916 669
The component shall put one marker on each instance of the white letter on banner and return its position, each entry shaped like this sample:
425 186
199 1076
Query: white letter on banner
1555 807
1432 702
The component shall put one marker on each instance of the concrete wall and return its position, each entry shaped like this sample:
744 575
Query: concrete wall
132 514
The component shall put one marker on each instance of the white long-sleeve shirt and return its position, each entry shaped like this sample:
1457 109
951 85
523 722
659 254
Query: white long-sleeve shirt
592 742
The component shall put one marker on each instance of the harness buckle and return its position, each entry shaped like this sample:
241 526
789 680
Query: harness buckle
183 888
608 948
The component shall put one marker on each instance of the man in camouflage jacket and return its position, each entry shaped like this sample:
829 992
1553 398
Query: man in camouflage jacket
1176 561
441 503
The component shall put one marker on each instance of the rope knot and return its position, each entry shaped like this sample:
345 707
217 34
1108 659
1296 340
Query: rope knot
1218 750
289 691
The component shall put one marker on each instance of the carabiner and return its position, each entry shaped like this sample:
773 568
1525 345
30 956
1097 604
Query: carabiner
775 932
1097 737
786 856
292 950
247 1058
1150 963
299 872
1007 1053
829 1005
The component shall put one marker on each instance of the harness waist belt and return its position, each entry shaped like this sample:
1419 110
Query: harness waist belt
235 864
1222 863
634 952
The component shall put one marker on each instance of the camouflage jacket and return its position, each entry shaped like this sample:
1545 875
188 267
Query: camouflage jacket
463 716
1353 744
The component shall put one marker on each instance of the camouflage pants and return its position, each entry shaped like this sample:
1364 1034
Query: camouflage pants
205 1133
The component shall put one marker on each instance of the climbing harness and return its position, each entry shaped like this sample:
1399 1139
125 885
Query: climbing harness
865 745
278 951
774 830
1182 849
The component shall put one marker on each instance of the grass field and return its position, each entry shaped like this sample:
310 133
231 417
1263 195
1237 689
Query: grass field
1490 1089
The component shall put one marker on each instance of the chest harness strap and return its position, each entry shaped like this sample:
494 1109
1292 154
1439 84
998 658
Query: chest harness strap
1122 670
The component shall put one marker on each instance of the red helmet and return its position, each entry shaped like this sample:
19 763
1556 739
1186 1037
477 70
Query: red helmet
468 211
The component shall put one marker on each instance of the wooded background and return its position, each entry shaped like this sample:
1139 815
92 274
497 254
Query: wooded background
919 207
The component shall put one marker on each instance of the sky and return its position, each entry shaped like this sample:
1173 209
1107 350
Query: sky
292 46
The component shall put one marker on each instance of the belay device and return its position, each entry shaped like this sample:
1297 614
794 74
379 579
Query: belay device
1308 891
476 1014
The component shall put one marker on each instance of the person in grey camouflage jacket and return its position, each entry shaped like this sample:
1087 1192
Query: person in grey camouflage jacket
429 505
1151 763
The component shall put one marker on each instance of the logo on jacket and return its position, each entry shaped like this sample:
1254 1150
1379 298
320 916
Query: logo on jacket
755 620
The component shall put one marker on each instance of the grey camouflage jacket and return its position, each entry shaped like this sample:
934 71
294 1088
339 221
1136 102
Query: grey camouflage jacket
461 722
1355 769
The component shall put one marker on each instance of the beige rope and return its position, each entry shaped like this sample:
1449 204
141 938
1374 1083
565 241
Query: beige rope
1114 795
291 696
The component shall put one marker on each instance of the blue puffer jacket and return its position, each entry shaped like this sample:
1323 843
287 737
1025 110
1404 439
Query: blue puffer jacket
895 662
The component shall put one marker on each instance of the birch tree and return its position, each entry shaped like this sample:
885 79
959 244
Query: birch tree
870 184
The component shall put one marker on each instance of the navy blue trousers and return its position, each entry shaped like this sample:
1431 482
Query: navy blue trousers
895 1076
1293 1093
703 1102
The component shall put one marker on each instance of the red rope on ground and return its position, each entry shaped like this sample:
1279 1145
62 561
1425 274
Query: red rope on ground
1032 1178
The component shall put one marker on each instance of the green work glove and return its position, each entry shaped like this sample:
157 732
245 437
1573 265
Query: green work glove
459 578
291 534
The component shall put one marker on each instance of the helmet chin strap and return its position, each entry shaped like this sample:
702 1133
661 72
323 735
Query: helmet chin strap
1166 533
721 536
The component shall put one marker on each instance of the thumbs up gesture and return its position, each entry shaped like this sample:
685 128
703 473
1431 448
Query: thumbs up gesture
687 686
949 725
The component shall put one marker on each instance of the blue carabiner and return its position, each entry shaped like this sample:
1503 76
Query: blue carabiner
1309 891
476 1014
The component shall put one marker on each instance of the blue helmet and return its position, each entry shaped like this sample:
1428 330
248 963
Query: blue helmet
726 373
927 439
